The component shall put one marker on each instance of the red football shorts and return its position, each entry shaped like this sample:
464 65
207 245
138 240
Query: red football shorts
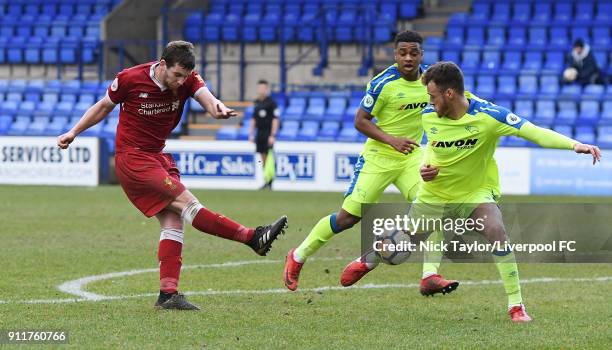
150 180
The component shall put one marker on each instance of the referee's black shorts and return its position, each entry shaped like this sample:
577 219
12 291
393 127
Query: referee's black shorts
261 143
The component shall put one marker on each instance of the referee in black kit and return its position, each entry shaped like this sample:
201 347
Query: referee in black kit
265 120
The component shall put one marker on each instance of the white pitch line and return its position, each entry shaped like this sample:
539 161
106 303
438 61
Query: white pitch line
75 287
317 289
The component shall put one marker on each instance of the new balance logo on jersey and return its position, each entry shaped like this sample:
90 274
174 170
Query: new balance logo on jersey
143 95
460 144
414 105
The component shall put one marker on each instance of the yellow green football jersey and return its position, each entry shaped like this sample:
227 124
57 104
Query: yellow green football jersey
463 149
397 105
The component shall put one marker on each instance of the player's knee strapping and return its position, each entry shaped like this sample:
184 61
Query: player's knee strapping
172 234
191 210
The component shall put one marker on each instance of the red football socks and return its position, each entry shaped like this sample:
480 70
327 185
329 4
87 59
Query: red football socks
216 224
169 255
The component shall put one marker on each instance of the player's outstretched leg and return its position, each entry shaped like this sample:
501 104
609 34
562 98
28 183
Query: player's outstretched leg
358 268
322 232
262 239
259 239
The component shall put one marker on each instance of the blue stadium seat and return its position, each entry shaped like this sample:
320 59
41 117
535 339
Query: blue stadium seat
329 131
584 13
593 92
351 110
601 38
580 33
431 56
309 131
45 109
457 19
37 126
336 109
604 136
26 108
532 63
545 112
528 86
16 96
500 13
480 13
538 38
227 133
348 133
585 134
5 123
517 38
64 108
512 62
19 126
50 97
57 126
454 37
485 86
567 113
110 128
468 82
296 108
470 61
316 109
563 12
408 10
450 55
571 92
554 62
475 37
506 86
542 13
559 38
606 113
564 130
496 36
549 86
589 113
490 62
289 130
268 33
524 108
603 14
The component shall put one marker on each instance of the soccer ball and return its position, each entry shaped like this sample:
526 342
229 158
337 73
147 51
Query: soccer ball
392 247
570 74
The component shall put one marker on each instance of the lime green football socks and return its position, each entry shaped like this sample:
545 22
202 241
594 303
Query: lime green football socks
508 271
318 236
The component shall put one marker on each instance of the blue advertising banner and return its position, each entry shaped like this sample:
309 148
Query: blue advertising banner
295 166
565 172
344 166
210 164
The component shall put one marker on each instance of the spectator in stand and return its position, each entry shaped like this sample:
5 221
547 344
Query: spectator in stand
581 66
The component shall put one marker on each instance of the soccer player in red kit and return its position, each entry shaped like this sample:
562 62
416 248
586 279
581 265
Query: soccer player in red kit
152 97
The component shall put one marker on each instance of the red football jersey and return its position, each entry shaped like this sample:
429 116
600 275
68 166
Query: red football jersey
149 111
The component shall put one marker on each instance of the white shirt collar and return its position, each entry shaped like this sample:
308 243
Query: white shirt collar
161 86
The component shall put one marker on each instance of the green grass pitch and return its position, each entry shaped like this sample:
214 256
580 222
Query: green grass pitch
51 235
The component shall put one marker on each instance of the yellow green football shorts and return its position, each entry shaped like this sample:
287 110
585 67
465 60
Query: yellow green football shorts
374 173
